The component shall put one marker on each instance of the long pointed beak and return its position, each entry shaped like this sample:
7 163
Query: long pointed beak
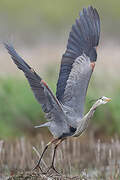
108 99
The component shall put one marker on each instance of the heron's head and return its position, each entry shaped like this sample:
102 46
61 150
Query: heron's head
104 100
101 100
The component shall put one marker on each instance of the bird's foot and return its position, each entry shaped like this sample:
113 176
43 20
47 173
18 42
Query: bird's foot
37 166
53 168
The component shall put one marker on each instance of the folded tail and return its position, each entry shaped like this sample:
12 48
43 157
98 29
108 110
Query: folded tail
47 124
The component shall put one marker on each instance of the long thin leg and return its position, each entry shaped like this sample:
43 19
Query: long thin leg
53 159
46 147
37 165
54 153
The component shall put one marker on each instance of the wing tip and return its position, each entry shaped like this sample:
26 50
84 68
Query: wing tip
85 33
6 45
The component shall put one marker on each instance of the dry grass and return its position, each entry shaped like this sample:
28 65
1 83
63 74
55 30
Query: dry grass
75 159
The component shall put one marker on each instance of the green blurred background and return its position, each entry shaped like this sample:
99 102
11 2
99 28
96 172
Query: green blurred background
39 31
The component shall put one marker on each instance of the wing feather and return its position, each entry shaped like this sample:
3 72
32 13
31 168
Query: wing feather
42 92
83 38
77 84
78 61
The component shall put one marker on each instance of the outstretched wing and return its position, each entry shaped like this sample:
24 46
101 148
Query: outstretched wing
43 94
78 61
77 83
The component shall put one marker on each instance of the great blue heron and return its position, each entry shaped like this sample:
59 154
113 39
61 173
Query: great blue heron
65 111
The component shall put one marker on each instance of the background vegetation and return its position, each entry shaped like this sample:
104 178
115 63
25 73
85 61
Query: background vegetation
36 21
20 111
43 26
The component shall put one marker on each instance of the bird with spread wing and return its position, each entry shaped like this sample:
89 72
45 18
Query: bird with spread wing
65 112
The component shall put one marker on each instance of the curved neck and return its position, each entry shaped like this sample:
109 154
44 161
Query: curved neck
83 123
